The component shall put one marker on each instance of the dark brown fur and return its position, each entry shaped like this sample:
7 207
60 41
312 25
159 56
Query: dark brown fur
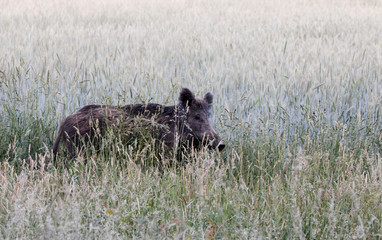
183 124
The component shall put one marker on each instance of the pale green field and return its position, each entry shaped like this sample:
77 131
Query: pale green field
297 88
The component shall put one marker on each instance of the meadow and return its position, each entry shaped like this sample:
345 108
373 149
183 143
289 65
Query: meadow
297 99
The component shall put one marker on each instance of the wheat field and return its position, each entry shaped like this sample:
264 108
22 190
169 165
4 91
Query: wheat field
297 99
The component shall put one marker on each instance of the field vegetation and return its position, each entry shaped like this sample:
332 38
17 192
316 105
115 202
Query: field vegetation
297 99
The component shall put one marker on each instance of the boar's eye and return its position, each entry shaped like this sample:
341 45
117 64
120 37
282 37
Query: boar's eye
197 117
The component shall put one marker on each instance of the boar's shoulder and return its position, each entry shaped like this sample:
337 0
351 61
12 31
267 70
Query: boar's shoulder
150 110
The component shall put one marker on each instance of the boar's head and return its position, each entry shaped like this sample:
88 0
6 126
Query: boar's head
195 126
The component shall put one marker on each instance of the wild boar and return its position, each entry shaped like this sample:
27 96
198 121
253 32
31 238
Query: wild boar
185 124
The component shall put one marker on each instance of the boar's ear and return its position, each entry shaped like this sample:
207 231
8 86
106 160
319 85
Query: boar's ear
209 98
186 97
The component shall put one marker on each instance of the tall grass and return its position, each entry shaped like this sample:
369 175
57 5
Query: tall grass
297 87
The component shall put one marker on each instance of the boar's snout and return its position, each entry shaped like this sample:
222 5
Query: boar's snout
221 146
215 141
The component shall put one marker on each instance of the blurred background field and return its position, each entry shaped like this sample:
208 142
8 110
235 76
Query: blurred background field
297 98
